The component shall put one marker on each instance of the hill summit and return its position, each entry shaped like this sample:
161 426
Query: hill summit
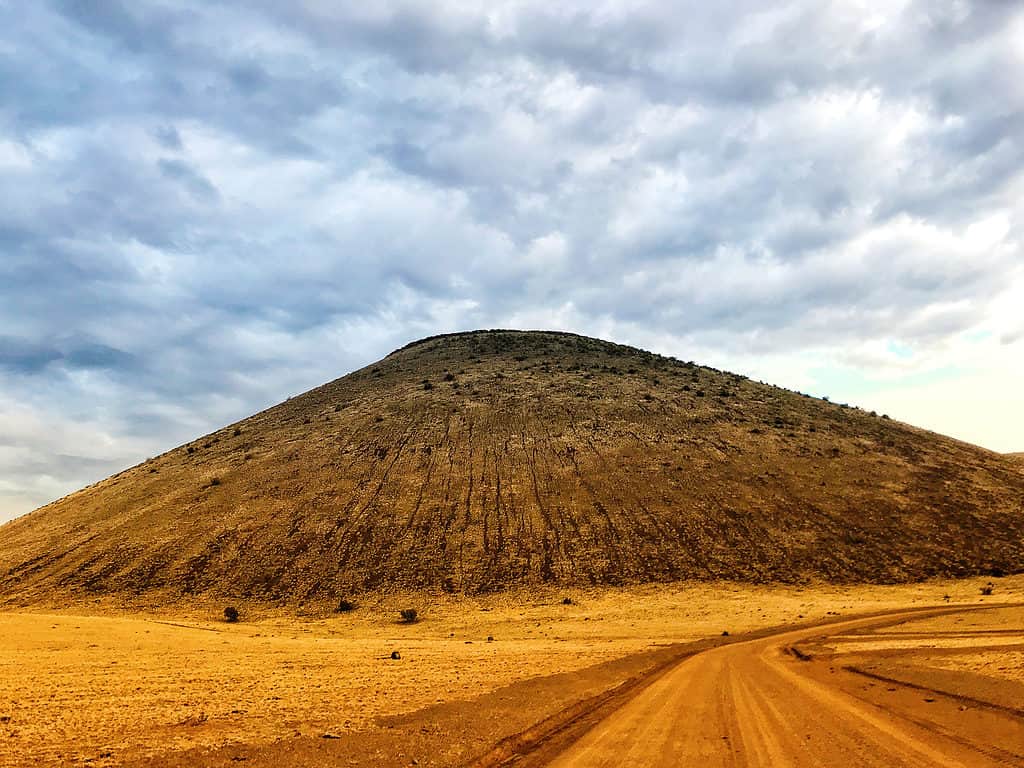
492 459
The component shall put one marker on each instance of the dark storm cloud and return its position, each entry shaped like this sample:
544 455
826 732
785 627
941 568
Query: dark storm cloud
168 137
30 357
194 182
26 357
209 207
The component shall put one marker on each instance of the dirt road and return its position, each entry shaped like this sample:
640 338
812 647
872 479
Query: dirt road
757 703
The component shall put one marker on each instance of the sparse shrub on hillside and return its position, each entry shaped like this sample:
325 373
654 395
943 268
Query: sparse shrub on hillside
237 432
409 615
345 606
351 490
231 614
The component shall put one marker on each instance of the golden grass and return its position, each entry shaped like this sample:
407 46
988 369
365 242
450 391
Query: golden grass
115 686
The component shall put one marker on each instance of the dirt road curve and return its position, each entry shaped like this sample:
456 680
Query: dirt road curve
755 704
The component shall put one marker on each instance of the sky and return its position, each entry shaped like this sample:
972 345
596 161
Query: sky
210 207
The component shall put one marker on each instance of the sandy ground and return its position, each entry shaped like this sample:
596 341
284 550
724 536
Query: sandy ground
1008 665
989 642
760 704
977 656
112 688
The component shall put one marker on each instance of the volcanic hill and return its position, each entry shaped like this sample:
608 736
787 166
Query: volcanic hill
492 459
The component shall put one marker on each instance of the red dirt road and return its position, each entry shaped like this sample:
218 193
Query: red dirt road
756 704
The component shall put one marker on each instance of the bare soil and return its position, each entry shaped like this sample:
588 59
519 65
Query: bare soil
788 700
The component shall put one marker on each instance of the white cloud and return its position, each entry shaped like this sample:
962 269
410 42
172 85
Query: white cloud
826 196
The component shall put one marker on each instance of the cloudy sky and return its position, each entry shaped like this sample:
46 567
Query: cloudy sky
209 207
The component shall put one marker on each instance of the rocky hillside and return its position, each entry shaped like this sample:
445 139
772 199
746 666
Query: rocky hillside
486 460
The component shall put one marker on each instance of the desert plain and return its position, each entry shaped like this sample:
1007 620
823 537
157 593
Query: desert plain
615 558
121 684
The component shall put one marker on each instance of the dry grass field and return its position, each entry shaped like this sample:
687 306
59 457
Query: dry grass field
116 688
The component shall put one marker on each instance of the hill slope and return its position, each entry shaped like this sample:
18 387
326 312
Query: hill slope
486 460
